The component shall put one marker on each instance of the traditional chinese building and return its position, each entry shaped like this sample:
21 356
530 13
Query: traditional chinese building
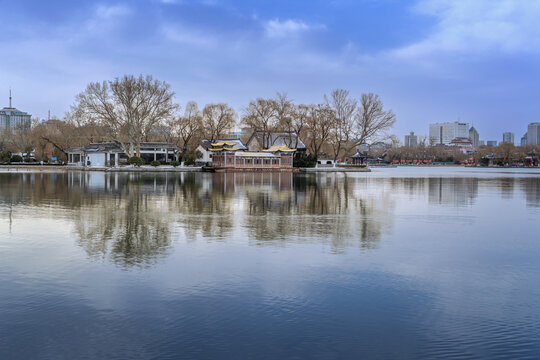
225 157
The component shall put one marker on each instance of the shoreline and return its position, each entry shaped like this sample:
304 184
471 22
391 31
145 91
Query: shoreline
57 168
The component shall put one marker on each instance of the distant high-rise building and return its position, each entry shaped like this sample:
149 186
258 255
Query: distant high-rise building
11 118
508 137
533 133
492 143
523 141
411 140
475 138
482 143
444 133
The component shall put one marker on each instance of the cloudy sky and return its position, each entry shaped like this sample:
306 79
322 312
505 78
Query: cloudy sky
430 60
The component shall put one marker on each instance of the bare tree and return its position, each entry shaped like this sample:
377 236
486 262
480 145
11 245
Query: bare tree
217 120
129 107
299 120
54 136
188 127
19 138
261 116
344 108
371 120
284 108
319 126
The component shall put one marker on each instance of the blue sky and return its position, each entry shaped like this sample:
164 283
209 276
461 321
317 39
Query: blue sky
429 60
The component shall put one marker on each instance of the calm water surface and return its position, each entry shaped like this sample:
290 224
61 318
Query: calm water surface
397 263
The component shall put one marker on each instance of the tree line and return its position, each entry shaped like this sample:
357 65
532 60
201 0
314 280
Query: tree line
503 154
132 110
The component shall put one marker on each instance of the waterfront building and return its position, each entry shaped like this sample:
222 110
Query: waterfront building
411 140
444 133
105 154
325 163
508 137
492 143
205 149
474 136
226 158
12 118
533 133
358 159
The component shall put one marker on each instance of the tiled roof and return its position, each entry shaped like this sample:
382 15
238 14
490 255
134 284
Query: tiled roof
281 138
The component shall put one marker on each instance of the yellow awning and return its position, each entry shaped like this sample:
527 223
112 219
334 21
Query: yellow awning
222 143
279 148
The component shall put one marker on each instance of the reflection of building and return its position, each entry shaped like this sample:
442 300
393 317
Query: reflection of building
112 154
508 137
258 181
531 188
533 133
444 133
12 118
411 140
453 191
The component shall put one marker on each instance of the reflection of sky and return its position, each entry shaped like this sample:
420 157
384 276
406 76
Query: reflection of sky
445 278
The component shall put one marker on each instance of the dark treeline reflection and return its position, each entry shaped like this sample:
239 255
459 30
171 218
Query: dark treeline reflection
133 218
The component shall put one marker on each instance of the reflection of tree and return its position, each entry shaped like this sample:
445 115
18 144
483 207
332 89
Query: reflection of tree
202 207
507 187
130 218
531 188
318 208
131 229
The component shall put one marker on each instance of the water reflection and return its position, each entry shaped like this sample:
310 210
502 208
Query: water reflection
531 188
133 218
453 191
130 228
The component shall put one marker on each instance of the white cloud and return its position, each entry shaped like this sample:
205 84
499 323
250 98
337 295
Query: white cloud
112 11
478 27
188 36
278 29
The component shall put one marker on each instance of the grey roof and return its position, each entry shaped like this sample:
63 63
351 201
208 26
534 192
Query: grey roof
282 138
238 145
115 146
357 155
13 110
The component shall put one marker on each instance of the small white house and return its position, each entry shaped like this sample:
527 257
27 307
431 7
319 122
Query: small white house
109 154
325 163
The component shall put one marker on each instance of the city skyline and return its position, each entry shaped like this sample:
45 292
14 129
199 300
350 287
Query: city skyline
440 61
418 135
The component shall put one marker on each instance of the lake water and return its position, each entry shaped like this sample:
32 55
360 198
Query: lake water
397 263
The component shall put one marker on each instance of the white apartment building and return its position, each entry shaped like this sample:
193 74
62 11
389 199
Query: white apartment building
444 133
508 137
533 133
411 140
